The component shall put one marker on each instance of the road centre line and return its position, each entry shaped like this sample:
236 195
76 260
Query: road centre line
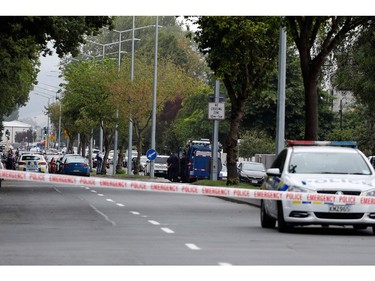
93 191
167 230
134 213
120 205
192 246
109 200
99 194
154 222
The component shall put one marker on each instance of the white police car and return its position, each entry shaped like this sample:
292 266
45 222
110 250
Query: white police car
324 169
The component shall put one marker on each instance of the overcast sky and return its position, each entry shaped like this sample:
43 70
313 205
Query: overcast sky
48 84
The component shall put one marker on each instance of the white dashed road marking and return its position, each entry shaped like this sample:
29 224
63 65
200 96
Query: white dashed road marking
167 230
192 247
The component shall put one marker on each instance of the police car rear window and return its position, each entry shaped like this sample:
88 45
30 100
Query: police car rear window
30 157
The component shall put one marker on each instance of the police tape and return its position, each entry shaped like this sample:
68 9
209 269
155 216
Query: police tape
180 188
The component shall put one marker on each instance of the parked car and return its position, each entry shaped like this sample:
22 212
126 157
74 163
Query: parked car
61 160
251 172
160 166
319 169
32 163
75 165
224 172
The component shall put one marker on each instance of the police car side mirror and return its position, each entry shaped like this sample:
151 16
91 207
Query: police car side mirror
273 172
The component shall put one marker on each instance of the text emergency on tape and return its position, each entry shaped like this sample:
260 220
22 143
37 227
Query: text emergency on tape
185 188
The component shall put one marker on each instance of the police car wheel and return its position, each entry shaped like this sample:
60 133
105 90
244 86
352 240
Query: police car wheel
282 226
266 220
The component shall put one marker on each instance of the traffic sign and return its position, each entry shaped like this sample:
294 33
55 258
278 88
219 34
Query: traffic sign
216 111
151 154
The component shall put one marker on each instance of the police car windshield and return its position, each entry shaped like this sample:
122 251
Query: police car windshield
328 163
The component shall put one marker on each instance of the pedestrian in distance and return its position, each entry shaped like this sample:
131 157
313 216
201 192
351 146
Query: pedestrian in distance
184 168
172 163
99 162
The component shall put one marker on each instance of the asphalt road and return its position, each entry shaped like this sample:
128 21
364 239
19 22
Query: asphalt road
42 224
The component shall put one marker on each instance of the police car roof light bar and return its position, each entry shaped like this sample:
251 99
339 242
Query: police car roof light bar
322 143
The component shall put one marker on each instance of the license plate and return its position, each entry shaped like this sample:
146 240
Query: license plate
254 181
339 209
32 167
75 171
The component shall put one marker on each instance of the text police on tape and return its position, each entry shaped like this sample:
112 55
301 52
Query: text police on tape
185 188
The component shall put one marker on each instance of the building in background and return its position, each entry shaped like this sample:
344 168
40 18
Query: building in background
13 127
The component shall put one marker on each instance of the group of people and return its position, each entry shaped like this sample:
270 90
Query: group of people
9 158
177 168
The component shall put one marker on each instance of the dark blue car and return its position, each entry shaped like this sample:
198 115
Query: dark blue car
76 165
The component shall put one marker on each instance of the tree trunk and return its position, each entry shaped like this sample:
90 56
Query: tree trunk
237 114
311 101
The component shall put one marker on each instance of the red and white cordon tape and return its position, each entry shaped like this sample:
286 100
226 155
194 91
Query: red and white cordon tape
185 188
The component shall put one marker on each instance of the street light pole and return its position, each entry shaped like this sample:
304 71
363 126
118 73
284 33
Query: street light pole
130 138
153 129
47 117
59 134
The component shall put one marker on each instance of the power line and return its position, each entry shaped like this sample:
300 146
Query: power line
49 85
54 91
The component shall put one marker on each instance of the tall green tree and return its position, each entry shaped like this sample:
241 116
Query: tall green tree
356 73
241 51
316 38
86 100
23 38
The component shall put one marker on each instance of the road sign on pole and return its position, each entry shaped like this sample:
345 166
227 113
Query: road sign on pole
151 154
216 111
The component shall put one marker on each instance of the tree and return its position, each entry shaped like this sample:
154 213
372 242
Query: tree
22 40
86 100
316 38
134 98
174 46
255 142
192 123
355 73
240 51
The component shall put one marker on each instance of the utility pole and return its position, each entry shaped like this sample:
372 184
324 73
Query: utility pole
280 118
215 138
153 129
